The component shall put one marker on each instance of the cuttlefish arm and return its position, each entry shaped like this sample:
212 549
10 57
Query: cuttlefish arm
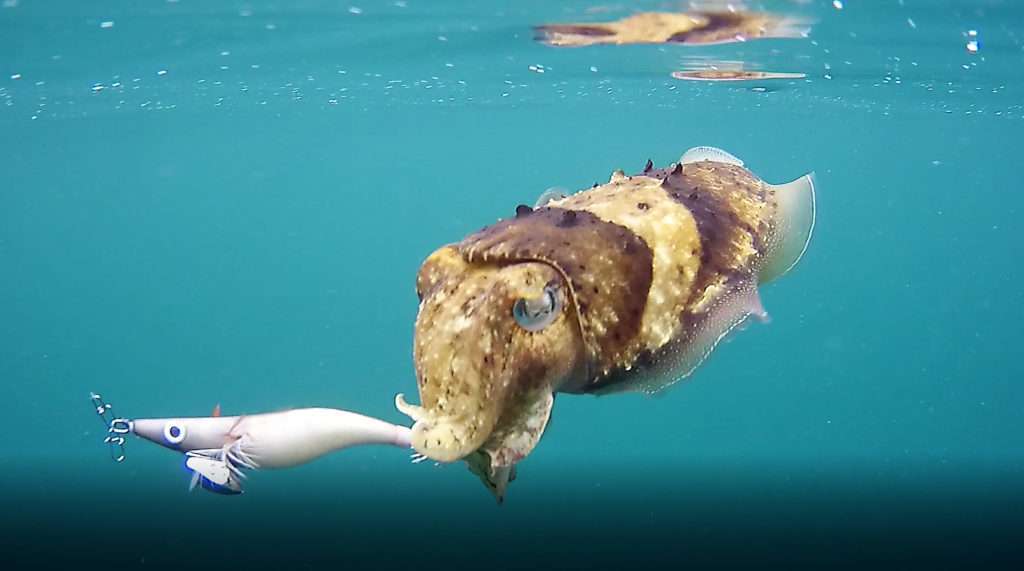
217 449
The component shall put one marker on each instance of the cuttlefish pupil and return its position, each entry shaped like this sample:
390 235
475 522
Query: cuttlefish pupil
536 314
626 286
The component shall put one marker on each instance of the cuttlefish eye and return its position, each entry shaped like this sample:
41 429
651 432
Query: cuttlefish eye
174 433
537 313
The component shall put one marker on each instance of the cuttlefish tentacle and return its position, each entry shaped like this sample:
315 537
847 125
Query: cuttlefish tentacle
428 427
415 412
449 437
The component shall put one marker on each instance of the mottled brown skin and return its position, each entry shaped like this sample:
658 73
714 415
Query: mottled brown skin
726 212
603 263
690 28
644 267
474 364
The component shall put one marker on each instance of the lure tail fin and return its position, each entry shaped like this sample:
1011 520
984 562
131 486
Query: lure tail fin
211 473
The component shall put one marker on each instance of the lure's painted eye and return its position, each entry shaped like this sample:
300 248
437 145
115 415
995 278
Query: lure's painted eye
174 433
536 314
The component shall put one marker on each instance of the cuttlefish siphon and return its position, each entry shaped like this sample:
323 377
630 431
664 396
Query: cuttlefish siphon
626 286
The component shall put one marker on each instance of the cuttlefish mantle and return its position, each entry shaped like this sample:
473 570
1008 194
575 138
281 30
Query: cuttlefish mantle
626 286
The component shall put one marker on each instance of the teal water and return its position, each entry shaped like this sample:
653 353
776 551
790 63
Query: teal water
228 202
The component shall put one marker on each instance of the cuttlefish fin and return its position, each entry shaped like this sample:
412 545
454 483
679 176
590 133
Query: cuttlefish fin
704 332
729 314
713 154
793 226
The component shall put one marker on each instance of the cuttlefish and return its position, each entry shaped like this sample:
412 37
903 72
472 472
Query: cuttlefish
626 286
688 28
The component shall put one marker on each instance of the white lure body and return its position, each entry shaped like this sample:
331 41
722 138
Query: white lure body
218 448
293 437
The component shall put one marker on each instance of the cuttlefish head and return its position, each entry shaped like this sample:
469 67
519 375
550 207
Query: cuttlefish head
493 342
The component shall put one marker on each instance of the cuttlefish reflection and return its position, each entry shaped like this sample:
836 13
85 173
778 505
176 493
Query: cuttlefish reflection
686 28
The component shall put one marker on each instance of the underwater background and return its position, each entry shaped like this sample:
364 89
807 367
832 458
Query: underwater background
227 202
